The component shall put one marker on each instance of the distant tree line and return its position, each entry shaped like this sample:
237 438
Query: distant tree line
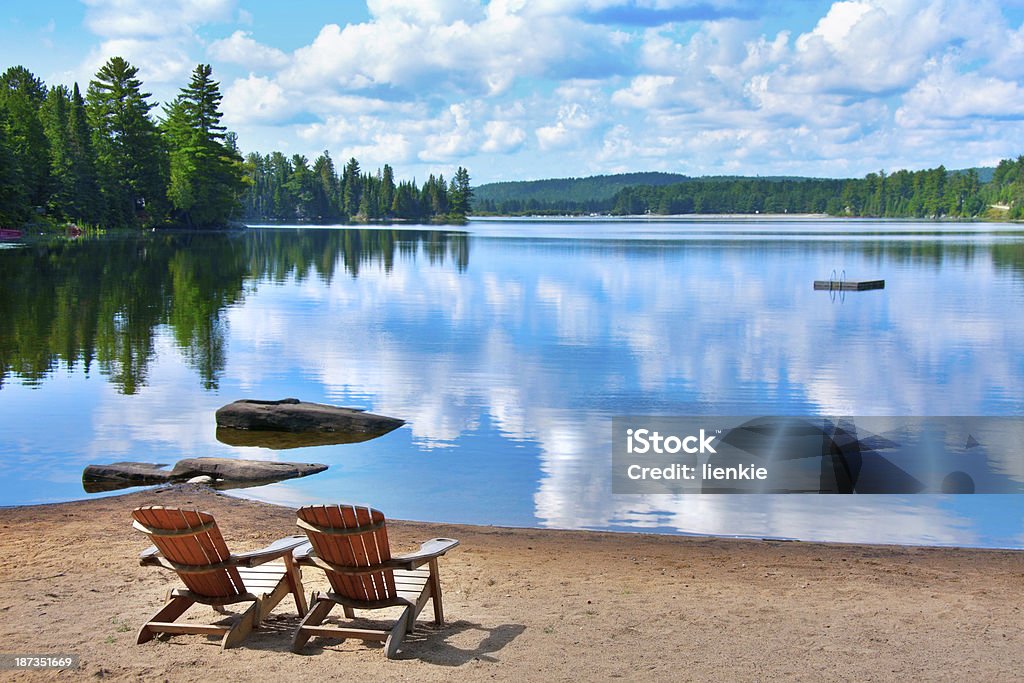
104 159
279 188
563 195
933 193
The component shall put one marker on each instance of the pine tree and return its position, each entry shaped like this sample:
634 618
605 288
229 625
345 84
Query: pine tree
351 188
131 162
12 199
56 118
283 201
205 170
326 191
22 95
73 178
84 200
300 185
460 194
257 187
387 190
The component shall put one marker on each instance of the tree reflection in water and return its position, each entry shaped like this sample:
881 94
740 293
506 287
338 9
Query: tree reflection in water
98 303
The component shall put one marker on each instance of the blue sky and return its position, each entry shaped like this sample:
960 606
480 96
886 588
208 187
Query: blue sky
518 89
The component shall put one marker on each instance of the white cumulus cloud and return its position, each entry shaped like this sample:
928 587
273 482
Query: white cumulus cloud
502 136
144 18
256 98
241 48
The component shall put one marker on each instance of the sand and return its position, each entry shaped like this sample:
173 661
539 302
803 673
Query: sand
531 605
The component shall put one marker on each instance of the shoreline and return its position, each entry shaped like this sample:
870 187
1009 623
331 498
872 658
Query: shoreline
624 532
532 603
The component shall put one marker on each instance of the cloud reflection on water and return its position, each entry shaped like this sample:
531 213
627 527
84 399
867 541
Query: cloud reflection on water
509 365
548 341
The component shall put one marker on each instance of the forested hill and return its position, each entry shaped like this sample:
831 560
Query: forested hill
966 193
931 193
565 195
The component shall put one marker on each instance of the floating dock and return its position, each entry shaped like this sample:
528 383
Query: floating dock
849 285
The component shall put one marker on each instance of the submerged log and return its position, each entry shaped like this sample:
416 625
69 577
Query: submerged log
225 473
293 415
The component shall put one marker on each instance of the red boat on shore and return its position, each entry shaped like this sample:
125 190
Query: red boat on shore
8 234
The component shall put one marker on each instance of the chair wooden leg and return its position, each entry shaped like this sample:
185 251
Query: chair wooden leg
243 627
272 600
294 576
257 618
174 608
435 590
394 640
315 617
349 612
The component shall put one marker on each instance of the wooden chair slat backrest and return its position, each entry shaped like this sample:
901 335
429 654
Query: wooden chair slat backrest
204 546
366 546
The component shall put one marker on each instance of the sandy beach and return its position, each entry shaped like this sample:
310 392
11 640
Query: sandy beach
531 605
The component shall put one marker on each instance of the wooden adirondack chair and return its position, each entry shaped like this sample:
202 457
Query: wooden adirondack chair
350 544
189 543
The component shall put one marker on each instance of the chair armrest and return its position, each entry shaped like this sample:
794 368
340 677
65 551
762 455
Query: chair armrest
279 548
150 556
303 551
429 550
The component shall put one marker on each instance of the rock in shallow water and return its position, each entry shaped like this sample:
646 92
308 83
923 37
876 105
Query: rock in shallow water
224 472
293 415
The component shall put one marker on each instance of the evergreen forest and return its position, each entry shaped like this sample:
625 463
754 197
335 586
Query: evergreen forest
107 158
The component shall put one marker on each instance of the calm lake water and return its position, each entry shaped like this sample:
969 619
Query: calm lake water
508 347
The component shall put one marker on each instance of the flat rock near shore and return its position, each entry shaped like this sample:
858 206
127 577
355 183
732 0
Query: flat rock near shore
227 472
530 605
293 415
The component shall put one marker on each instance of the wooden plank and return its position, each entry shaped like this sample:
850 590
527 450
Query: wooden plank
343 549
374 582
216 584
412 585
169 612
360 557
394 639
435 591
403 586
201 550
293 577
380 541
168 627
157 518
313 618
275 567
343 633
262 587
242 628
183 550
326 547
385 543
213 543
